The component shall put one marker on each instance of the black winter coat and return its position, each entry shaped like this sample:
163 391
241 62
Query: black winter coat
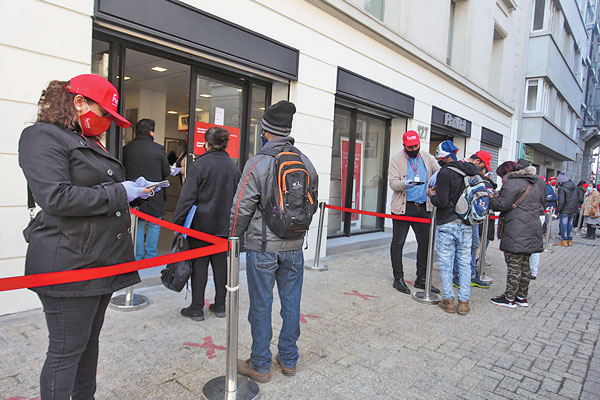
522 232
143 157
568 199
449 187
85 219
210 184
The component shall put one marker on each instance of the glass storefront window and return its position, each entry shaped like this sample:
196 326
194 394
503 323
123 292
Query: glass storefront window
258 104
100 57
218 104
367 134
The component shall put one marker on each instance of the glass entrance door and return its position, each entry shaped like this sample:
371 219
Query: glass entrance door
358 174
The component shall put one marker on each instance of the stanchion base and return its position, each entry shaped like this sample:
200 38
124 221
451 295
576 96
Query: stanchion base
421 298
137 302
486 279
320 267
247 389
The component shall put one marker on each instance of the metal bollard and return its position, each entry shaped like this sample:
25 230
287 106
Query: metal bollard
427 297
580 223
316 266
483 250
232 386
547 248
130 301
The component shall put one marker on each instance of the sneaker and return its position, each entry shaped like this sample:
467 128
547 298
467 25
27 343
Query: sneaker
285 370
521 302
218 309
476 282
245 368
193 314
455 283
503 301
533 277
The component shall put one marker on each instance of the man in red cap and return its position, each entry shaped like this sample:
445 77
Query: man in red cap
409 172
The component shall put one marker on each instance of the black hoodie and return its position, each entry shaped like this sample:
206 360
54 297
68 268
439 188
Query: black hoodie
449 187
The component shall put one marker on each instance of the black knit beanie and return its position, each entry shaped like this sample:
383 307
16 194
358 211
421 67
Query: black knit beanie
277 118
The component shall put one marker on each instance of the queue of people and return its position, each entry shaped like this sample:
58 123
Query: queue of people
85 194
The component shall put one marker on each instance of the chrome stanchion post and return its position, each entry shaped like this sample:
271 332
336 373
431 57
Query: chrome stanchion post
547 248
130 301
316 266
427 297
232 386
483 250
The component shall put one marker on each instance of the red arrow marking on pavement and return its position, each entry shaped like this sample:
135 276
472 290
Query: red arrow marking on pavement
362 296
208 345
206 303
303 317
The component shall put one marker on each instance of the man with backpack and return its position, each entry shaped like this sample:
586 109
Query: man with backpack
453 233
273 206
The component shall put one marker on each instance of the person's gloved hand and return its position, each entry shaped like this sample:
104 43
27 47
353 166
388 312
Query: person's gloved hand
142 182
175 170
134 191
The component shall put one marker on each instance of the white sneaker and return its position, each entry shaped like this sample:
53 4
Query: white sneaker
521 302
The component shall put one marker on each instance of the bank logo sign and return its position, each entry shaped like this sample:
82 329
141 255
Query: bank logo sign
455 122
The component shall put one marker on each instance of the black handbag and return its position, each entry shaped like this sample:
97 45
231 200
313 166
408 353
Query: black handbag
176 274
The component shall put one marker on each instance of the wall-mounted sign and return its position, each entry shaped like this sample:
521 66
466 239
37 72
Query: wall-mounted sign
455 122
447 124
527 152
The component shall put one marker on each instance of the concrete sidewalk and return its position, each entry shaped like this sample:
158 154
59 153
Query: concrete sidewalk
361 339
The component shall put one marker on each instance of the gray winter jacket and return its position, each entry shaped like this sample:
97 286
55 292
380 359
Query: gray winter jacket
522 232
568 199
253 191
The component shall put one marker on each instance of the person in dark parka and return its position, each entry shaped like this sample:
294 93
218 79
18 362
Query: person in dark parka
520 200
143 157
84 223
210 184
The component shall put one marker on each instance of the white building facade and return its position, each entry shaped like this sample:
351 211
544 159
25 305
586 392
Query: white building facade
360 72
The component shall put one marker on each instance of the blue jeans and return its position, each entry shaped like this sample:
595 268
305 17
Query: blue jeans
566 226
453 242
475 239
262 270
534 263
146 248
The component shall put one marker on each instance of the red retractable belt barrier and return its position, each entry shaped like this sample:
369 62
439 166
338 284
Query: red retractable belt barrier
381 215
219 245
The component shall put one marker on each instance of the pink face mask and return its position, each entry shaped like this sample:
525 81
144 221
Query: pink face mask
93 125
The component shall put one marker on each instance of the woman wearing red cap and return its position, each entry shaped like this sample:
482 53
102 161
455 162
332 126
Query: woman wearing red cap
84 223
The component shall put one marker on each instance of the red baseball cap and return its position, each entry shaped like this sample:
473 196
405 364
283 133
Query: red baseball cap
98 89
552 179
411 138
485 157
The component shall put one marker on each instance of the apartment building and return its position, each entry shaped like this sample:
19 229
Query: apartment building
555 78
590 134
361 73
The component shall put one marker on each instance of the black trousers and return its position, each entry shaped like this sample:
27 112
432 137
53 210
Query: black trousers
74 325
400 231
200 275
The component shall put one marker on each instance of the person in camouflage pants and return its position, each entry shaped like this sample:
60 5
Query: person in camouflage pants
517 278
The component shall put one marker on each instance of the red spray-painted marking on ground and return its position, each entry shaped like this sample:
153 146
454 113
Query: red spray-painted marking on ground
362 296
206 303
208 345
409 282
304 316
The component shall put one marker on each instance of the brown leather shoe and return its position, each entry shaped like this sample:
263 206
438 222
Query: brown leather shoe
245 368
570 243
285 370
563 243
463 307
447 305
